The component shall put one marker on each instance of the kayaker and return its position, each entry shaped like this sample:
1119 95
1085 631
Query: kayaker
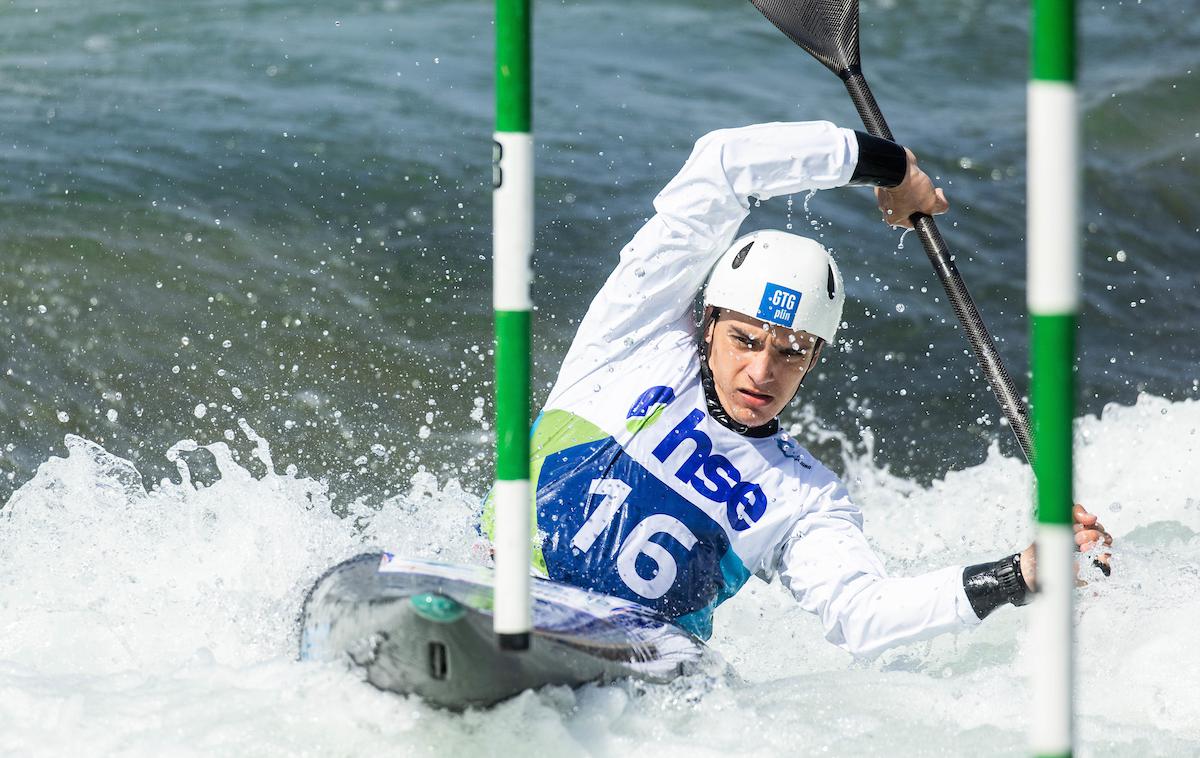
662 473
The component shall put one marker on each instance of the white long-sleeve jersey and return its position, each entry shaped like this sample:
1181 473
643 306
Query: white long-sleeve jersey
643 495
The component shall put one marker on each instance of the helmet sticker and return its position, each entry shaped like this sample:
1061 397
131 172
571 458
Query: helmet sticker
778 304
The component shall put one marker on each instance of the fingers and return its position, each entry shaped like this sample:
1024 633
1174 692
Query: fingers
1095 529
1089 533
1082 516
1088 529
916 194
898 208
942 204
1086 539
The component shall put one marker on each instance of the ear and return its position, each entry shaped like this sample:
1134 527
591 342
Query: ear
709 324
816 356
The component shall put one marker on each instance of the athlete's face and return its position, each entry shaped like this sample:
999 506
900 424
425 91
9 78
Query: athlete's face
757 367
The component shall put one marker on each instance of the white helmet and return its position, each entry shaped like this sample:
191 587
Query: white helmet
781 278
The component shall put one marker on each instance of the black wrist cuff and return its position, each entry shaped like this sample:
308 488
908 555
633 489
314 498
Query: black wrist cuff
881 163
991 585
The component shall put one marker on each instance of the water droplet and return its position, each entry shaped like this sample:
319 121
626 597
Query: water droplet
811 194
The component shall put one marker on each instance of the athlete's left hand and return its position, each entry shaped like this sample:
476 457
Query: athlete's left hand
916 194
1088 533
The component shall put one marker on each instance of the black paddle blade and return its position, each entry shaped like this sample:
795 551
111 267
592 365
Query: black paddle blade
827 29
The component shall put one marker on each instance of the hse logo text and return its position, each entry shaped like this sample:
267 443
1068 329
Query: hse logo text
712 475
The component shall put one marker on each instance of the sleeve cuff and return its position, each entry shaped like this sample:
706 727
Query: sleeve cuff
991 585
881 163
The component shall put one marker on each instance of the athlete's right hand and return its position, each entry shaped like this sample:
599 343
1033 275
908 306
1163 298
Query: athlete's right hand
916 194
1089 533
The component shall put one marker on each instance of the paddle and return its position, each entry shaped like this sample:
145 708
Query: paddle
828 30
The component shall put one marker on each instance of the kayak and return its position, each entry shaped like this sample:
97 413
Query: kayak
425 628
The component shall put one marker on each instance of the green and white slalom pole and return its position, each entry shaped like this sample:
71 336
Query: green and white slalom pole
1053 292
512 249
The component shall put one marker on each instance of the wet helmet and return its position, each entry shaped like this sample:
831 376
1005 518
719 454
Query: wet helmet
782 279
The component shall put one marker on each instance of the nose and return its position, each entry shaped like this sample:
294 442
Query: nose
761 368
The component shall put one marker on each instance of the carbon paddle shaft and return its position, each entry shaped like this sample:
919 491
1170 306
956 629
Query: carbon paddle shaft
943 262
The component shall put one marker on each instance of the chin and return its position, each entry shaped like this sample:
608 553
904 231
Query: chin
752 417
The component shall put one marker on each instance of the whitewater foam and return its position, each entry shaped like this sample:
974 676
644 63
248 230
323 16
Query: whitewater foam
161 620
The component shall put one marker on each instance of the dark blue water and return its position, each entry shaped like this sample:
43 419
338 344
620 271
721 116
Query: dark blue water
279 211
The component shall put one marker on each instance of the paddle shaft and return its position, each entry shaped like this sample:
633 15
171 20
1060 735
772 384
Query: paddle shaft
943 263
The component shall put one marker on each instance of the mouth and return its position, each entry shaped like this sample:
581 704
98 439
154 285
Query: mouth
755 399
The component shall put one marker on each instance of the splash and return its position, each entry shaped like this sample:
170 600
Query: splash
108 576
144 621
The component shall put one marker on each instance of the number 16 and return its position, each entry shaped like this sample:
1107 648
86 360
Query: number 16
615 492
